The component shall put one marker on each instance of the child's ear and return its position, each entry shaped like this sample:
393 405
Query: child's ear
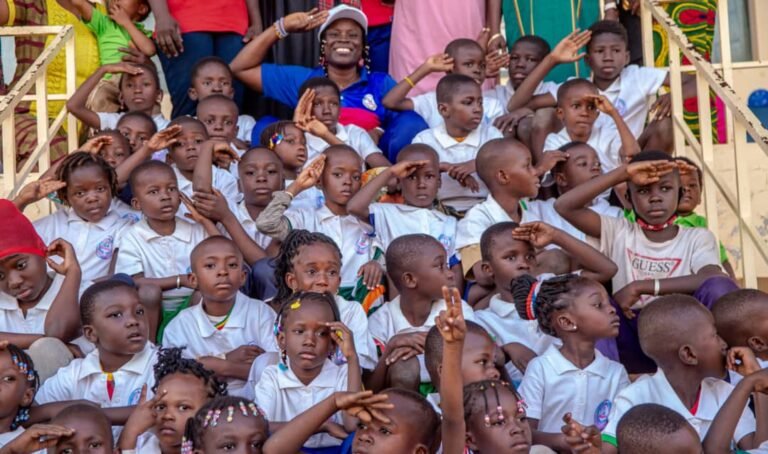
28 398
192 94
90 334
687 355
502 177
565 323
421 449
281 340
136 205
560 179
290 281
470 441
559 113
757 344
193 280
409 280
486 268
442 109
143 9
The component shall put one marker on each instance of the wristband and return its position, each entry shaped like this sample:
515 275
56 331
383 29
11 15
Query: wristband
410 82
498 35
178 281
289 194
656 287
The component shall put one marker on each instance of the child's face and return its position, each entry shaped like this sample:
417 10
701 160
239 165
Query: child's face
156 194
465 109
15 391
582 165
708 346
184 395
522 59
139 92
23 277
89 193
430 271
217 272
607 55
420 188
397 436
90 437
593 313
326 107
510 435
219 118
119 323
245 434
136 130
316 268
261 174
509 260
578 113
470 62
341 178
116 152
477 359
135 9
691 197
211 79
185 152
292 150
304 336
656 203
522 180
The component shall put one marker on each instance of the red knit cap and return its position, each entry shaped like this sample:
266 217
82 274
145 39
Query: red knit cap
17 235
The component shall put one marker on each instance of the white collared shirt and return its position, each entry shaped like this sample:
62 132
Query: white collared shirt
310 198
426 106
249 225
142 250
282 397
84 379
93 242
734 377
655 389
251 322
486 214
350 234
503 93
553 386
604 139
505 326
222 181
632 94
453 152
389 321
12 319
109 120
353 317
544 210
354 136
393 220
245 124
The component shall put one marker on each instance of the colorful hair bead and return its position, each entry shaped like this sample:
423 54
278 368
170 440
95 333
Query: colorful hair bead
215 419
243 409
254 409
207 418
295 305
186 446
275 140
230 413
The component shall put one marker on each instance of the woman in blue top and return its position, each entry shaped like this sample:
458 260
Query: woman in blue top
343 59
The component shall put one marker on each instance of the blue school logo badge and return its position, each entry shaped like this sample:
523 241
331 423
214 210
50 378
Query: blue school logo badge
446 241
369 102
362 246
601 414
134 397
104 248
621 107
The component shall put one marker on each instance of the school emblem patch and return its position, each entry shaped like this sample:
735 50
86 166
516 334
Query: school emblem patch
601 414
104 248
369 102
134 397
621 107
362 245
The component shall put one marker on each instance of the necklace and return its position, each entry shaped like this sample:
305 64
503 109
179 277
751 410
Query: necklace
656 227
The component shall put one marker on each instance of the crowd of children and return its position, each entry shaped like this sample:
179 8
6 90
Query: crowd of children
527 275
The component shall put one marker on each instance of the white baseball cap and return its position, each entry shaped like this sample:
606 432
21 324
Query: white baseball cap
345 12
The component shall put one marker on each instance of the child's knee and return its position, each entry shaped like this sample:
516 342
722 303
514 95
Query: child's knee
404 374
545 120
49 354
659 135
524 129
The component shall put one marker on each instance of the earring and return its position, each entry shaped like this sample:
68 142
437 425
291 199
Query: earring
283 366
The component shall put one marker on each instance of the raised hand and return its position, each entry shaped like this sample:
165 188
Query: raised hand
539 234
212 206
507 123
304 22
37 190
342 336
117 13
164 138
601 103
439 63
494 61
94 145
310 175
123 68
648 172
627 297
404 346
567 50
742 361
223 154
685 169
63 249
305 120
193 213
364 405
404 169
134 56
37 438
549 160
142 417
450 322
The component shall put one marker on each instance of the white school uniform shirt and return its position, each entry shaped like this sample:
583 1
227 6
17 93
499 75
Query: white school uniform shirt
349 233
486 214
426 106
393 220
94 243
311 198
544 210
389 321
12 319
108 120
503 93
353 316
84 379
640 259
655 389
126 212
249 225
453 152
222 181
245 124
505 326
282 397
142 250
553 386
251 322
604 139
632 94
734 377
354 136
148 443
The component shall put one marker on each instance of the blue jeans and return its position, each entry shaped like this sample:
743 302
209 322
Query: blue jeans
378 40
178 70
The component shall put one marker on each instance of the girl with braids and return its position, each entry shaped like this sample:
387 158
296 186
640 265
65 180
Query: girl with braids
18 385
575 378
343 59
226 423
182 387
311 262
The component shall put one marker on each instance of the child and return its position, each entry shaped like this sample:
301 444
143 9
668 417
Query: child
211 76
121 29
655 428
116 150
457 141
219 115
308 332
679 334
320 99
113 375
417 265
508 253
137 127
182 387
462 56
156 249
230 329
655 256
574 378
20 383
90 431
311 262
337 172
226 423
738 317
88 220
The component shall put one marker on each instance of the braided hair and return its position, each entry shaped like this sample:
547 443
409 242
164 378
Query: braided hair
476 399
536 300
289 249
293 302
24 363
220 410
81 159
170 361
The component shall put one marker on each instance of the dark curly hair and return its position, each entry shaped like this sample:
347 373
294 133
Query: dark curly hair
81 159
553 295
170 361
289 250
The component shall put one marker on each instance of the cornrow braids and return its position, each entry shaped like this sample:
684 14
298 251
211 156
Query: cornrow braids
293 303
289 249
475 393
23 361
220 410
81 159
536 300
170 361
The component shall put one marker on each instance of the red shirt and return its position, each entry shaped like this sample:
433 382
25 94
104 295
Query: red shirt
229 16
377 12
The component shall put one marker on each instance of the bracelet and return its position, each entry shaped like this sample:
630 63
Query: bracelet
609 6
178 281
410 82
493 38
280 30
289 194
656 287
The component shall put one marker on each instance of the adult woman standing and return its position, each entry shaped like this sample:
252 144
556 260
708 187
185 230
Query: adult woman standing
343 57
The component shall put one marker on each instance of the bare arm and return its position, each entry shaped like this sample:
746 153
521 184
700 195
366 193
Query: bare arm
76 104
396 98
202 177
83 9
20 340
453 330
360 203
602 269
63 318
225 368
139 39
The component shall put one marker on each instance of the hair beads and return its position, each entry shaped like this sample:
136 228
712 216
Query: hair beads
499 410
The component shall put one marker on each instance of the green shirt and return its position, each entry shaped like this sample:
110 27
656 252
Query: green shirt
110 36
